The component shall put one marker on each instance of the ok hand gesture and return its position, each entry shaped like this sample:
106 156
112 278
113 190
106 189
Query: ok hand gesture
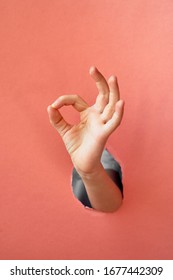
86 140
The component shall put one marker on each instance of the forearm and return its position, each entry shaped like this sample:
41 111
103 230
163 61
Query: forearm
103 193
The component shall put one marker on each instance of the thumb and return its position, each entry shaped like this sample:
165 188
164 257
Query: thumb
57 120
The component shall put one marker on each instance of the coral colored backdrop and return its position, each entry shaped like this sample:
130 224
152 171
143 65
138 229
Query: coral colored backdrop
46 49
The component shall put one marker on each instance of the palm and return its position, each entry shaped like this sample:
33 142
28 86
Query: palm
85 141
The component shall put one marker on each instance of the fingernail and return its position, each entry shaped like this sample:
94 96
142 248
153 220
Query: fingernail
54 104
92 70
114 78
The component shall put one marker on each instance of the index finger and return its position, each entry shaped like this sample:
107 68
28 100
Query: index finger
75 100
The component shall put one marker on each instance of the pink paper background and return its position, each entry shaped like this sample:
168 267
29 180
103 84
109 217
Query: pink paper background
46 49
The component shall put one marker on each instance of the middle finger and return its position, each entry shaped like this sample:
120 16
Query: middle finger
103 88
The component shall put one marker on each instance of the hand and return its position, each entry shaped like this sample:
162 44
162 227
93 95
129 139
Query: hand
86 140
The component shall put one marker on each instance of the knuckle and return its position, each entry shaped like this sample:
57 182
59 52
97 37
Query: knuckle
109 107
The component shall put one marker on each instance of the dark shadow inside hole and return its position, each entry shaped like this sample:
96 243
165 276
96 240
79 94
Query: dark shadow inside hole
113 169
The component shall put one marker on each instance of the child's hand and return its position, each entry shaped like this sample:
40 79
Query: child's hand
85 141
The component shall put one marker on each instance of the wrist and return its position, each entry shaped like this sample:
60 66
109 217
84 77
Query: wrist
92 174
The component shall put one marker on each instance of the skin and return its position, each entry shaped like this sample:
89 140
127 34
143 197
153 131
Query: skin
85 141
